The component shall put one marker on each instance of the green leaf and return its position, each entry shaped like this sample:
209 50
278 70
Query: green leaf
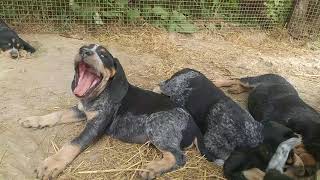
121 3
133 14
172 26
111 14
177 16
160 11
187 28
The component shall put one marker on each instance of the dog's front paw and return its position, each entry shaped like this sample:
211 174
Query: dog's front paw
50 168
33 122
40 121
148 175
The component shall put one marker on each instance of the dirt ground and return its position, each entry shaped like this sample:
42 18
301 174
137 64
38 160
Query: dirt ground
40 84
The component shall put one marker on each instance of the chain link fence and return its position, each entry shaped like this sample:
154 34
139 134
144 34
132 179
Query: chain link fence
301 17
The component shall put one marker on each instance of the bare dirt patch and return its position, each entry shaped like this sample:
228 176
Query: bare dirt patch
41 84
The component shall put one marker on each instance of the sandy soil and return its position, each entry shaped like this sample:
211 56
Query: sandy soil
41 84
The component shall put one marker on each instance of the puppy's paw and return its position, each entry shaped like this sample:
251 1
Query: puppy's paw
50 168
33 122
148 175
41 121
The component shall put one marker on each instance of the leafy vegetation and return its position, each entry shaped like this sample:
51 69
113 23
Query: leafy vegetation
176 16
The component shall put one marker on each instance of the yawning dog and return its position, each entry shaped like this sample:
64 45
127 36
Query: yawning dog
10 41
112 106
273 98
224 124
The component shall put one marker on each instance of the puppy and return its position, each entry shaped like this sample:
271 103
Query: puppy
11 42
224 124
267 159
273 98
112 106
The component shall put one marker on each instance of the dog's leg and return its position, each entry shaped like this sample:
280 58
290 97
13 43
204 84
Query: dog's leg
157 167
67 116
54 165
253 174
236 85
308 159
297 167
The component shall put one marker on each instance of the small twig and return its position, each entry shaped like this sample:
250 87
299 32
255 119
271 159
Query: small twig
308 75
128 168
2 157
214 176
110 170
55 147
78 166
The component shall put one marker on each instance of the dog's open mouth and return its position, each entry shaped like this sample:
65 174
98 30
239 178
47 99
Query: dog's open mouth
87 79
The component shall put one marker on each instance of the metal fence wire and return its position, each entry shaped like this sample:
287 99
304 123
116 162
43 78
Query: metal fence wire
301 17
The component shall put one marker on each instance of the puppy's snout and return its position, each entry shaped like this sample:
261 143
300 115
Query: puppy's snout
85 52
14 53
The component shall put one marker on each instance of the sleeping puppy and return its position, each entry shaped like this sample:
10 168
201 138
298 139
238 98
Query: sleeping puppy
112 106
268 159
273 98
224 124
10 41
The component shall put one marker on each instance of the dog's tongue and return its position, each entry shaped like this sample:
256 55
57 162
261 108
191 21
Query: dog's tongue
86 80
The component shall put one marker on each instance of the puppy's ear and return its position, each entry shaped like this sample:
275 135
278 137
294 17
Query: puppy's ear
119 85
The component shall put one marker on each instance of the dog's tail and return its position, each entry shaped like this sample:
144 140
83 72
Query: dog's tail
255 81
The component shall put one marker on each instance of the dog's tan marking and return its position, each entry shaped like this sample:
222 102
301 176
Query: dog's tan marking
237 86
91 114
254 174
157 167
55 118
307 158
107 74
52 166
296 168
80 107
157 89
194 142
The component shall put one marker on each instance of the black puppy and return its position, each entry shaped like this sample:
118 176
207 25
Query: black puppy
246 163
11 42
224 124
112 106
273 98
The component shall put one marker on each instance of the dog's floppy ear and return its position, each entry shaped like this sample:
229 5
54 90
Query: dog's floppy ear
119 85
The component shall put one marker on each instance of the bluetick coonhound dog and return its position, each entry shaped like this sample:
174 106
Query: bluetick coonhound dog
223 123
273 98
112 106
10 41
272 158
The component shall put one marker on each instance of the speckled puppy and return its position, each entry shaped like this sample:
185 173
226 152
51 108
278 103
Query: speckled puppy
223 122
112 106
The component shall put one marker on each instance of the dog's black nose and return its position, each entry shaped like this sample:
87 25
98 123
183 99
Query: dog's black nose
84 52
